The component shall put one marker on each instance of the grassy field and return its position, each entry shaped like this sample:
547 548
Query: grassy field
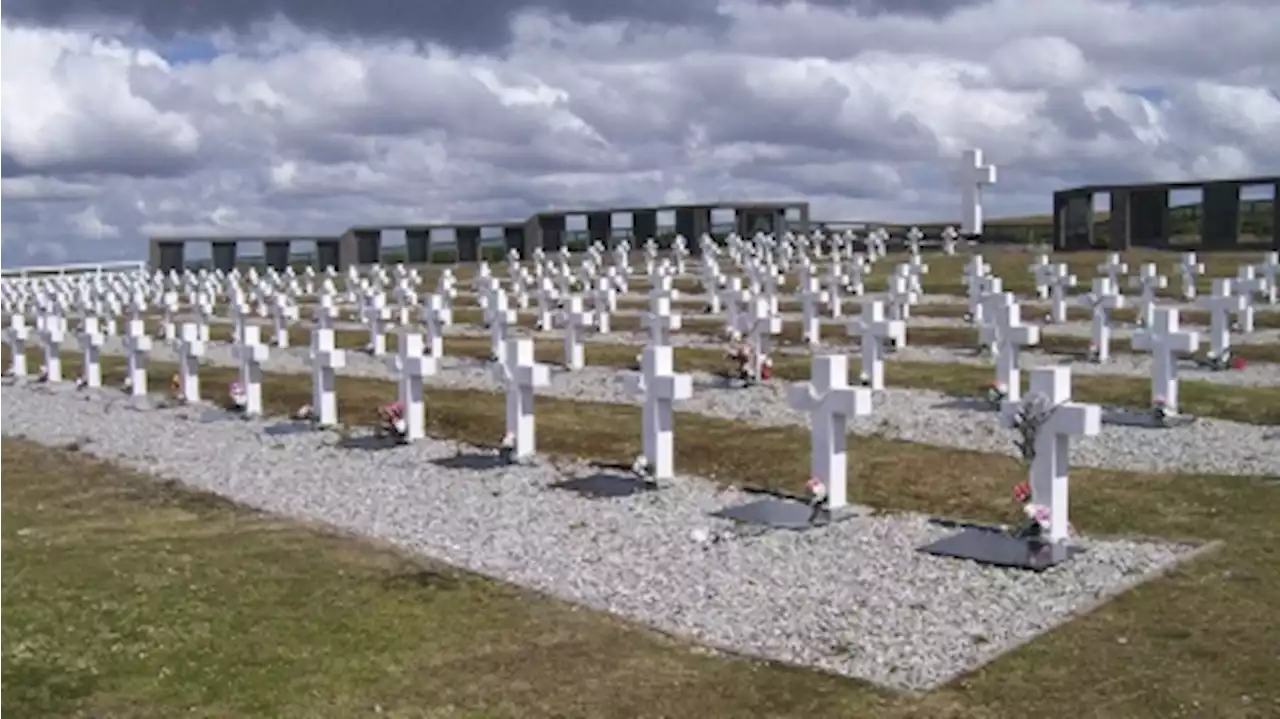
133 598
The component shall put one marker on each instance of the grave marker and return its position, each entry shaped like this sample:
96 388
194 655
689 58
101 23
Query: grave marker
519 373
830 402
660 386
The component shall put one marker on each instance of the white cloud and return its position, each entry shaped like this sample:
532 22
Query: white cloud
106 141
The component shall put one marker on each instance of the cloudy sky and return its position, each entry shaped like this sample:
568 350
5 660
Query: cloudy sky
125 118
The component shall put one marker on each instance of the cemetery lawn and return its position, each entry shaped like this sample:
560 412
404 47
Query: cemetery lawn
132 597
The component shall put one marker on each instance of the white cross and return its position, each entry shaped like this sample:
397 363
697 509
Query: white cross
137 345
500 319
190 349
1221 303
1113 268
875 330
1050 387
975 280
762 323
812 296
325 359
376 314
1101 301
914 235
17 335
1008 335
605 298
1058 279
660 320
973 176
1247 284
413 366
1190 270
1040 269
1163 339
575 321
1148 281
283 311
91 340
830 402
436 315
251 353
53 330
1270 271
900 298
660 386
519 373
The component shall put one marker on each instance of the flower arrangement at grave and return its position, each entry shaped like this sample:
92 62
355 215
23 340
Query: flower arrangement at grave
175 386
43 374
864 379
996 393
507 447
306 413
1035 517
1225 361
641 468
1094 354
818 497
237 398
1161 411
391 422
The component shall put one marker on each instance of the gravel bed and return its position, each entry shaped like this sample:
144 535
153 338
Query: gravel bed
1209 445
854 598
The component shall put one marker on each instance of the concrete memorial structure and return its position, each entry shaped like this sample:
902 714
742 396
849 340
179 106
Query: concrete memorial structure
364 245
1140 214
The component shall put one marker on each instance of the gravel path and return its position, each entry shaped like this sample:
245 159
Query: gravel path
1208 446
854 598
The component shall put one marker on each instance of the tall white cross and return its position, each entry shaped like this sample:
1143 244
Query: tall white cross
326 359
413 366
519 373
660 386
875 330
190 349
251 353
1163 339
1050 391
830 402
973 176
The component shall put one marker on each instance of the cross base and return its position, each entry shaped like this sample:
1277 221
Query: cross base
496 458
995 547
607 485
370 442
281 429
776 513
1124 417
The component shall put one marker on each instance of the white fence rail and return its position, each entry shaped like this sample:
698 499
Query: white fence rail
84 268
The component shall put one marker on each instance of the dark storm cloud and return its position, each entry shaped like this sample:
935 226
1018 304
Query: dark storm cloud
462 24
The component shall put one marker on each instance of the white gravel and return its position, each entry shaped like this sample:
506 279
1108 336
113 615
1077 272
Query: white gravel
854 598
